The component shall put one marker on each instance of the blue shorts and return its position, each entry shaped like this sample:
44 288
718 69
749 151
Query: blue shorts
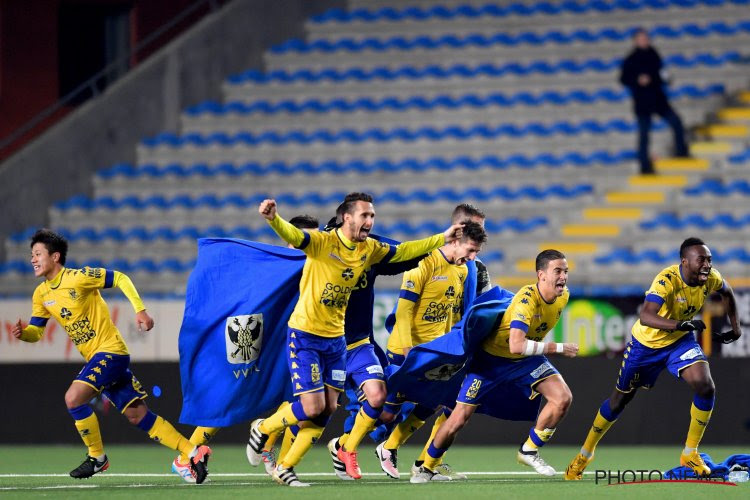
393 401
487 372
362 365
110 374
315 361
642 365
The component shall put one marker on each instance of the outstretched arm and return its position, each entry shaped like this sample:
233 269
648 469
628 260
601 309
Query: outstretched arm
142 319
413 249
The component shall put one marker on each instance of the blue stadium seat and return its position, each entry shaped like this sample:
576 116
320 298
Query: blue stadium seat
487 70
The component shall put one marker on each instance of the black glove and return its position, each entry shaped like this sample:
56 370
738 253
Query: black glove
726 337
694 325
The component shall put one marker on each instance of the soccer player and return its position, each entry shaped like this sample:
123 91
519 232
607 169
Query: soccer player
429 304
462 212
72 297
663 338
364 372
317 347
514 355
202 435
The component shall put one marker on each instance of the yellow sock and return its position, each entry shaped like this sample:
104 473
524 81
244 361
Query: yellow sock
200 436
438 422
362 425
272 438
163 433
403 432
698 422
596 433
431 463
343 439
284 417
88 428
306 437
286 444
543 435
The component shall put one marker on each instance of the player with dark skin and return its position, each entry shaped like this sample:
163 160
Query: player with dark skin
696 265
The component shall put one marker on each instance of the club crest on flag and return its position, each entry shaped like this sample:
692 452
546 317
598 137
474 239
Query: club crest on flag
244 338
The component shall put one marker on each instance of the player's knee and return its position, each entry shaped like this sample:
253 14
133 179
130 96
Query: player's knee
72 400
376 398
565 400
314 407
387 417
705 388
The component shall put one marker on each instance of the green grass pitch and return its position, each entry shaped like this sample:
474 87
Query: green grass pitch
142 471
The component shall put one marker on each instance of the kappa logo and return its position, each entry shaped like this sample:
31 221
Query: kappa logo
73 294
693 353
443 372
347 274
244 338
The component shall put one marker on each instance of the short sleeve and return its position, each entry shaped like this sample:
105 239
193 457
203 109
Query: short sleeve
414 281
660 288
715 281
521 311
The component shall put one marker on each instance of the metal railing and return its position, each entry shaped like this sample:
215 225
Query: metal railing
92 84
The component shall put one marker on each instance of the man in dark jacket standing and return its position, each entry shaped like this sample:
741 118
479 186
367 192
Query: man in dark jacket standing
642 74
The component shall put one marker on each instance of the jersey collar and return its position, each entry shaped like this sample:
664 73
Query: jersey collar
542 296
55 282
348 244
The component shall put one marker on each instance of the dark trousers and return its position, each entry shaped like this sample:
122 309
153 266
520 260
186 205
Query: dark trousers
644 126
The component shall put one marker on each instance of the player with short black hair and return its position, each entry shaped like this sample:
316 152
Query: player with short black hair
72 297
514 355
663 338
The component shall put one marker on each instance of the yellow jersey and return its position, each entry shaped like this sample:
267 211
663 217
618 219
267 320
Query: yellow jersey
73 299
430 302
528 312
678 301
333 268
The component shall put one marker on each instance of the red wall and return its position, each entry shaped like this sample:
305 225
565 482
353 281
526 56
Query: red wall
29 52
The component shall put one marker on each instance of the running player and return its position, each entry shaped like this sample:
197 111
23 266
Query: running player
72 297
430 303
663 338
202 435
317 347
514 355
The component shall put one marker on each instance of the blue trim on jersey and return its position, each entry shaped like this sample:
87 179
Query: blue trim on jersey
520 325
652 297
37 321
408 295
109 278
391 252
305 240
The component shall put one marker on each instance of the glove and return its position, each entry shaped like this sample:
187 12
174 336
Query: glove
726 337
694 325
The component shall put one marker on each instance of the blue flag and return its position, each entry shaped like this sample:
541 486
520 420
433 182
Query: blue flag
232 340
432 373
